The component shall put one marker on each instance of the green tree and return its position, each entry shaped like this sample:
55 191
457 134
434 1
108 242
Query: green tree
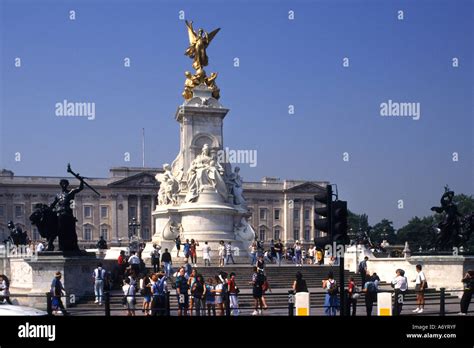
356 222
418 232
383 231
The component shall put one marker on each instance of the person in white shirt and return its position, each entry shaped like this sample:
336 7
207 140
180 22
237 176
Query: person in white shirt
206 254
221 250
420 286
400 284
99 276
134 262
130 301
40 247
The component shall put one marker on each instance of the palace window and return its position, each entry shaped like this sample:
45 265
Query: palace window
306 214
276 235
296 214
104 232
87 212
262 234
87 233
104 212
132 212
146 214
307 234
296 234
263 214
277 214
18 211
146 233
36 235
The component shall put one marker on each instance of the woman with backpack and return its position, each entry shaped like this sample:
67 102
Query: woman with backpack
129 297
331 302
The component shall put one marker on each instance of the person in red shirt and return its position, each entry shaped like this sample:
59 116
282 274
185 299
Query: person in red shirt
122 265
233 292
353 295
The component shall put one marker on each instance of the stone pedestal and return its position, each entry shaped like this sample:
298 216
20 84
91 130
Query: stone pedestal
34 276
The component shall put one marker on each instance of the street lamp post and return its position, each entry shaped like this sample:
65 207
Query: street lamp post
133 235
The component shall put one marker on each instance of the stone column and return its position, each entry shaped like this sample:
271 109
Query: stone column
139 215
123 217
152 221
114 234
302 224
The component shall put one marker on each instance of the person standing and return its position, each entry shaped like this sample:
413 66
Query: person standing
253 253
353 296
99 277
134 262
193 251
186 250
257 282
229 252
155 258
177 242
370 291
210 297
219 296
278 251
299 285
298 253
221 251
233 294
468 282
400 286
57 290
167 262
145 291
363 270
158 289
5 289
206 254
129 293
199 292
330 301
420 286
182 293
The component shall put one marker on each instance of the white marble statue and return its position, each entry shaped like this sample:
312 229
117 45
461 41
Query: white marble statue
172 230
205 172
169 187
244 231
236 187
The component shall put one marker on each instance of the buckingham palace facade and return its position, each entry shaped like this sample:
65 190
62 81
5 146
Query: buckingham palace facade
280 209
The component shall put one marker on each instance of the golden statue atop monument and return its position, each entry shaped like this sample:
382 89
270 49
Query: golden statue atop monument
198 43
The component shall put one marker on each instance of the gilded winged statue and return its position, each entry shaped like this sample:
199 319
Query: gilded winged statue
198 44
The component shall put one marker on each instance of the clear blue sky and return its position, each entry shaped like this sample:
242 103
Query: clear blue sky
282 62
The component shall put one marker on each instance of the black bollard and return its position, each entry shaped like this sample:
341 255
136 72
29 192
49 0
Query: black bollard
107 303
291 303
227 304
49 304
442 298
167 304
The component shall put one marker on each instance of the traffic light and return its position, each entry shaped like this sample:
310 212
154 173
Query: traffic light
339 222
325 198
